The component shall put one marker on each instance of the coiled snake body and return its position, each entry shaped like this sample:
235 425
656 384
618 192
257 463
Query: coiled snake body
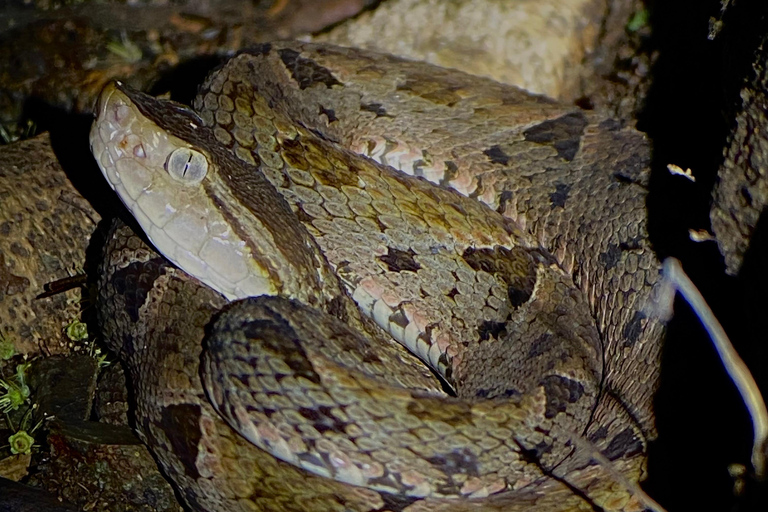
531 299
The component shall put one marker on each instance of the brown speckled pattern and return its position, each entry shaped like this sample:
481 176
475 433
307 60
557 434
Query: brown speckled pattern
45 226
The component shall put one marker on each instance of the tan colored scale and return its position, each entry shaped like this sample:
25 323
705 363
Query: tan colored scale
489 304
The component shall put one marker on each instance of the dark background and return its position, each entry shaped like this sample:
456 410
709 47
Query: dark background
702 423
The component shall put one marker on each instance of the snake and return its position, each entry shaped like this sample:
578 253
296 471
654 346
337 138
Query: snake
376 284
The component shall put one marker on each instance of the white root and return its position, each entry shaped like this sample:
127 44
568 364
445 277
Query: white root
734 365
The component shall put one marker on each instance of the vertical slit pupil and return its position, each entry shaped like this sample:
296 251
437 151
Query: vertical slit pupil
186 166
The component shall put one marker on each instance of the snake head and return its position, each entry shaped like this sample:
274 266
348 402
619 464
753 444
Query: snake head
156 155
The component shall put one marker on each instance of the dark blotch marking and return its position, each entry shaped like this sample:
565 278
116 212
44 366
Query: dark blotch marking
305 71
329 113
542 345
611 257
534 454
395 502
559 196
496 155
489 329
181 423
621 178
369 356
260 49
513 266
560 392
563 133
584 103
451 170
398 261
633 165
278 337
626 443
135 281
462 462
507 393
10 284
322 419
633 329
611 125
518 296
294 151
398 318
504 200
599 434
337 308
746 195
311 459
19 250
376 108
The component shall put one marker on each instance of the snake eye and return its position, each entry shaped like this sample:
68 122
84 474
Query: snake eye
187 166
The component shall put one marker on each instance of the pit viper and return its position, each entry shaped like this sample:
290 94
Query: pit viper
325 332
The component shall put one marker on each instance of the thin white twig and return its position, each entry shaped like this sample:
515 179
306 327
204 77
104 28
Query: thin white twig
734 365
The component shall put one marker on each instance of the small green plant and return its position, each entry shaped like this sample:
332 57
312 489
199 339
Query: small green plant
21 442
76 330
101 359
15 393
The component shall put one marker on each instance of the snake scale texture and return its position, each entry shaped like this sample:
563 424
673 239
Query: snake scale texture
435 338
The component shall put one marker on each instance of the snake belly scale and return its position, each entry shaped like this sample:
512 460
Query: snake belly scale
253 198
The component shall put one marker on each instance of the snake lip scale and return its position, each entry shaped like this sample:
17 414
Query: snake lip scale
522 297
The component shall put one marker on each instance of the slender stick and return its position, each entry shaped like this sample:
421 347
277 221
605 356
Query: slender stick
734 365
